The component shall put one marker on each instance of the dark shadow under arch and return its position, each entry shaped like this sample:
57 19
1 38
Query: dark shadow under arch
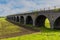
40 21
14 18
17 19
57 23
29 20
21 19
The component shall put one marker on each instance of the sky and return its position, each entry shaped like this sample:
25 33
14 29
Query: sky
8 7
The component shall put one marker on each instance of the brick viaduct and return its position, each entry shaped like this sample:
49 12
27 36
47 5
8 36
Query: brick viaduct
37 18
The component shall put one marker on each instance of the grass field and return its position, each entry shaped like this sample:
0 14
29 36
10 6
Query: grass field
44 34
7 27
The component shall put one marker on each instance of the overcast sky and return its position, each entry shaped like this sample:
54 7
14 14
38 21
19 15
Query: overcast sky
8 7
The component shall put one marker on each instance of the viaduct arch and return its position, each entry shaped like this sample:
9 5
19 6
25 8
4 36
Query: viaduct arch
57 23
17 19
29 20
40 20
21 19
37 18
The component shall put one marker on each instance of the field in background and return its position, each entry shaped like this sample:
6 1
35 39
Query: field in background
44 34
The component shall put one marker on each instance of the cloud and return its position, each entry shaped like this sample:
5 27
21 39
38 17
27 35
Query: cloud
8 7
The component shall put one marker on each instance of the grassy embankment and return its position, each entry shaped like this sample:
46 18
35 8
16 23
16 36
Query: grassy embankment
7 27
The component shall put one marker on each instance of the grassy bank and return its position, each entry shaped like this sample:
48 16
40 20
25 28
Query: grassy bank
7 27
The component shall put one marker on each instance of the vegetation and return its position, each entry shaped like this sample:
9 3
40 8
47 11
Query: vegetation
57 10
47 23
44 34
7 27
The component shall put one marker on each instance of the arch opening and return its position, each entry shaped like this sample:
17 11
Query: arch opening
42 21
22 20
17 19
57 23
14 18
29 20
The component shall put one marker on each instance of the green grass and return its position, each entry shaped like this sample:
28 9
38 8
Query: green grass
7 27
44 34
47 23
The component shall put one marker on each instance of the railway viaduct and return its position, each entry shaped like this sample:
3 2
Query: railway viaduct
37 18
